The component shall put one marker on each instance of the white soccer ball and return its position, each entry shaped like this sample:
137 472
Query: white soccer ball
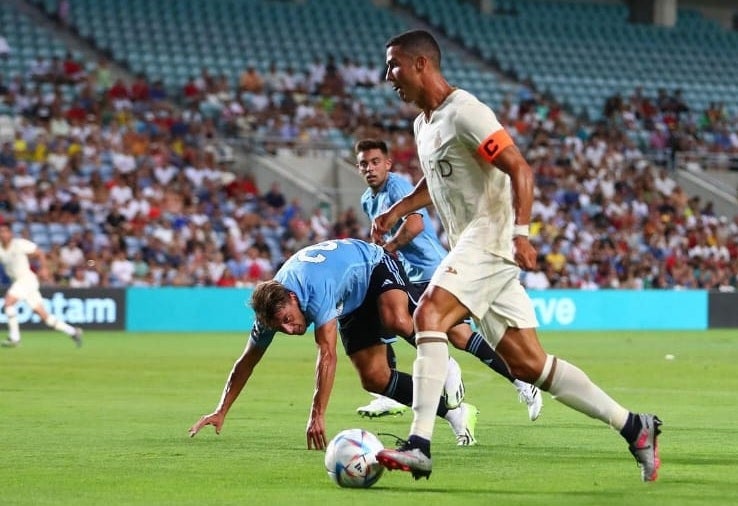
351 458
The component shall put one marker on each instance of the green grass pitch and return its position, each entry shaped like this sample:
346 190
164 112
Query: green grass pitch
107 425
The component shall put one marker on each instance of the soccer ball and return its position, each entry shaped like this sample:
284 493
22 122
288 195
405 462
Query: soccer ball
351 458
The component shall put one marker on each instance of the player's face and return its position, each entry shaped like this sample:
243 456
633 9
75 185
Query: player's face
290 319
373 166
5 234
400 73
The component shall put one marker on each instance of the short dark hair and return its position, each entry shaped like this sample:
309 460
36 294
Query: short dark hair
367 144
268 298
418 42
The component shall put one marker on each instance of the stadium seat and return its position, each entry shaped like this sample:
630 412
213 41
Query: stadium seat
594 40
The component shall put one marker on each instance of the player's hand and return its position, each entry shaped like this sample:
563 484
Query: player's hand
215 419
316 439
381 224
525 254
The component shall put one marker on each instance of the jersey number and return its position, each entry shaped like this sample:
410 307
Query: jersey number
304 255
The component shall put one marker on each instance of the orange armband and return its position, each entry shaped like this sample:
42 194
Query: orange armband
495 144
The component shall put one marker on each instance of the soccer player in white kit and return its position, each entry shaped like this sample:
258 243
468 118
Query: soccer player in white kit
415 241
14 253
482 189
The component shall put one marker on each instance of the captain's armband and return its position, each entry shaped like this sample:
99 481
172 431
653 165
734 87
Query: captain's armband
495 144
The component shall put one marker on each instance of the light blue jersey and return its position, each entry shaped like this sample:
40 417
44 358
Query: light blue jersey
423 254
330 279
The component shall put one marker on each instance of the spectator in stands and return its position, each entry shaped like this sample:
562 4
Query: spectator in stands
368 75
79 278
63 12
140 90
157 92
226 279
191 93
258 268
73 71
5 48
333 84
120 95
39 69
71 254
251 80
121 269
273 79
320 225
274 197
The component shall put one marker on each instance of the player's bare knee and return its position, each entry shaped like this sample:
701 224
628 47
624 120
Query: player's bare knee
374 381
401 324
459 335
427 316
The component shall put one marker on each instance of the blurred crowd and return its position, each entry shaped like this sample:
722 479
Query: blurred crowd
128 183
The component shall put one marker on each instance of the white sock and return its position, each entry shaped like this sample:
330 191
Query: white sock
573 388
60 325
13 327
429 375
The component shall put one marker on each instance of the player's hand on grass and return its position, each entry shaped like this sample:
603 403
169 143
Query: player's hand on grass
214 419
316 439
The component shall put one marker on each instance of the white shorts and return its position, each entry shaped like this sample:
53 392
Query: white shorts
489 286
28 290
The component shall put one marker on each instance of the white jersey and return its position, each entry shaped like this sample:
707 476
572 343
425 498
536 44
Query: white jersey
472 196
14 259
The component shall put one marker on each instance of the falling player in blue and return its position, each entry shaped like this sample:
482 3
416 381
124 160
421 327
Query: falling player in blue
416 243
345 285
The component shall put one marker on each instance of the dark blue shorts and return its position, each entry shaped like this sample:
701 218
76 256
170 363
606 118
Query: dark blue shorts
361 328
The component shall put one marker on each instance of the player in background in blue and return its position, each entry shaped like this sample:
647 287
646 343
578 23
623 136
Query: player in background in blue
344 285
418 247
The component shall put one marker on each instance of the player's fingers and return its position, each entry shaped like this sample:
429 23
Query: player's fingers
199 425
205 420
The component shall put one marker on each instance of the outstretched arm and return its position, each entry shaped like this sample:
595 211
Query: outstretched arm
417 199
237 379
325 374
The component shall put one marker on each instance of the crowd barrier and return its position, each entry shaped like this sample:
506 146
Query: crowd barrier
226 309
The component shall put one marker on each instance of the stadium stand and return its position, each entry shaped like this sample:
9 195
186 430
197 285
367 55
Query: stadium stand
132 171
582 53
